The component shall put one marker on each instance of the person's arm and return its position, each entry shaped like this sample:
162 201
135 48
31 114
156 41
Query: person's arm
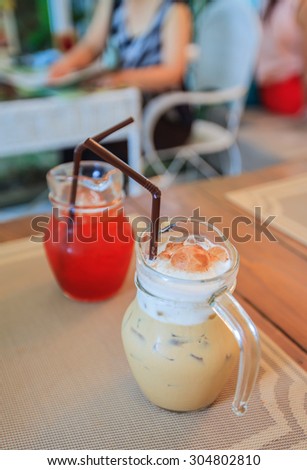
90 46
176 35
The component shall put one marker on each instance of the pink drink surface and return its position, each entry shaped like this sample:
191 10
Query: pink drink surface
91 258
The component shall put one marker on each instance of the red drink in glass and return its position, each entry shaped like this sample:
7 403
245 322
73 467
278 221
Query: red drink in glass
91 258
89 249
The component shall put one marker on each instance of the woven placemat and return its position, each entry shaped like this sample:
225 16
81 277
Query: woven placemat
67 385
285 199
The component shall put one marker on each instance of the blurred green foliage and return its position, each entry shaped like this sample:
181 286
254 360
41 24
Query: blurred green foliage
33 25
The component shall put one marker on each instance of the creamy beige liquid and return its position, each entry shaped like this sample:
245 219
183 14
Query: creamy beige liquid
178 367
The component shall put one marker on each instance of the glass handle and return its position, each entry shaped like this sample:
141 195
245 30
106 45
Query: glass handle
247 337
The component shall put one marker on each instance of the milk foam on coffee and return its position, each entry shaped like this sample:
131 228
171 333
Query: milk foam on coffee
192 260
176 263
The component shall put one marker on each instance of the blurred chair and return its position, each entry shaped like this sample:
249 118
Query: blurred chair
227 37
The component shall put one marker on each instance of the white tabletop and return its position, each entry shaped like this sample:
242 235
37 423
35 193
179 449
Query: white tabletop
54 123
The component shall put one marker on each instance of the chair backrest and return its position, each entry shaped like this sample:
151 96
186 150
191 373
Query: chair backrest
228 34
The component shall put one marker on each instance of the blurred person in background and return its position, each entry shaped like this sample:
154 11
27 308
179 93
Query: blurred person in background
283 57
147 40
149 37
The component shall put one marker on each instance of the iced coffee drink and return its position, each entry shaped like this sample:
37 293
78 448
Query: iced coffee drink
180 352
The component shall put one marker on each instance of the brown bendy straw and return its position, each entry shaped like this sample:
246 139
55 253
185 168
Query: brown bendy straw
92 143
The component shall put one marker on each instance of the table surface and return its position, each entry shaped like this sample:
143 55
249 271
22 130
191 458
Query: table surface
66 119
272 279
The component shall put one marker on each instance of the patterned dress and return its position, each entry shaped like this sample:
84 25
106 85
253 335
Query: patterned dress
129 52
137 51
